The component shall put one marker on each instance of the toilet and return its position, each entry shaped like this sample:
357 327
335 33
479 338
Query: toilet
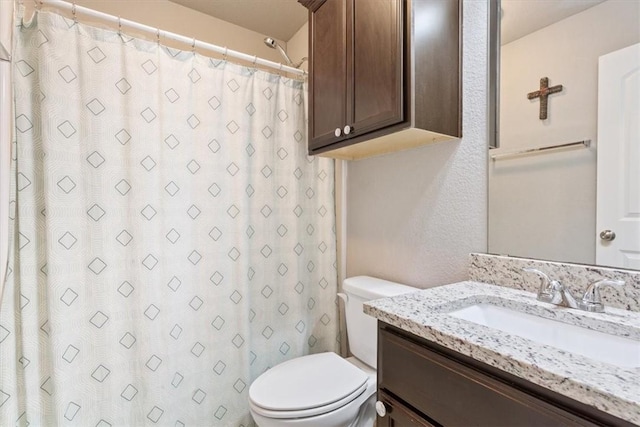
325 390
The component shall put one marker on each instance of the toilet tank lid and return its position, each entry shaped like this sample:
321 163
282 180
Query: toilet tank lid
372 288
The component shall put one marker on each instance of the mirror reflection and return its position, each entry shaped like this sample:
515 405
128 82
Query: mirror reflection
564 183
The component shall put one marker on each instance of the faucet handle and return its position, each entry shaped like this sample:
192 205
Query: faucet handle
546 290
592 301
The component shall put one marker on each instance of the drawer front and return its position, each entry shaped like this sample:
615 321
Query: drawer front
399 415
453 394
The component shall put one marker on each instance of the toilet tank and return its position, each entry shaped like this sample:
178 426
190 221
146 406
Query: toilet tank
362 329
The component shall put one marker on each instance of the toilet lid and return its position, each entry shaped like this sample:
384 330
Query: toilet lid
307 382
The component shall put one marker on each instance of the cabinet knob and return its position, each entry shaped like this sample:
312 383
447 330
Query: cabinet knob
337 132
381 408
348 129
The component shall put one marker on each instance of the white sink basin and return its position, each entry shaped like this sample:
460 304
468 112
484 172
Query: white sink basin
615 350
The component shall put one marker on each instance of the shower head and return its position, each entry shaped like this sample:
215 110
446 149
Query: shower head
270 42
273 44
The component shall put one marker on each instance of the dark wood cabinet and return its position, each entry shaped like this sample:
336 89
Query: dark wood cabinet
384 75
375 65
398 415
328 70
421 382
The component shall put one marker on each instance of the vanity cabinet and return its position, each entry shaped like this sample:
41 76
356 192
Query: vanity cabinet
384 75
423 384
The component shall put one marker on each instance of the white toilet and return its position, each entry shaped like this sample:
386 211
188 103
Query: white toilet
325 390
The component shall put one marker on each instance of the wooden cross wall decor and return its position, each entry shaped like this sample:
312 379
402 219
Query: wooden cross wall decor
543 94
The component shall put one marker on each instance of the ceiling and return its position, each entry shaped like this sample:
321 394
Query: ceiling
522 17
279 19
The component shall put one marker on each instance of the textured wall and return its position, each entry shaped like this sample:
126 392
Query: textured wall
414 216
544 206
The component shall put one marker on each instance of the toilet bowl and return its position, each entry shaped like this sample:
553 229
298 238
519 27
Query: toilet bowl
319 390
325 390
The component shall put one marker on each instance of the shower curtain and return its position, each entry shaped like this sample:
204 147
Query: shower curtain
170 238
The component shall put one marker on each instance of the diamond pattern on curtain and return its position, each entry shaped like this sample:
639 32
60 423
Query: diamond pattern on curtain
171 238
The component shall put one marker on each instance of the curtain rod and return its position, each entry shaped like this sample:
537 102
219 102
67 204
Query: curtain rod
74 9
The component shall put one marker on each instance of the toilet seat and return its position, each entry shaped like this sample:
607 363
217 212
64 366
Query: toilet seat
311 412
307 386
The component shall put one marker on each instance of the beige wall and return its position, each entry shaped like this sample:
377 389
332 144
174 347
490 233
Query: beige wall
413 217
298 46
182 20
543 206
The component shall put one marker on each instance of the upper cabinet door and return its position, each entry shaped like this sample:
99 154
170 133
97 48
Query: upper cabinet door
328 73
375 65
385 75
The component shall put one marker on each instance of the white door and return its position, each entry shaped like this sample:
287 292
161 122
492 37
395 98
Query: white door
618 185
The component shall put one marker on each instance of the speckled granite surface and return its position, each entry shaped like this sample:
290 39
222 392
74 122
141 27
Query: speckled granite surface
507 271
609 388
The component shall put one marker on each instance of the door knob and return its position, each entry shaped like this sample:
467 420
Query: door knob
607 235
347 130
381 408
337 132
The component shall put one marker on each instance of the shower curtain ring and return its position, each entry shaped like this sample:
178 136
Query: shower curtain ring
193 45
255 59
119 26
158 35
224 55
73 12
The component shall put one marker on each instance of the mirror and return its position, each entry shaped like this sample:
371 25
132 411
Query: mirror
544 204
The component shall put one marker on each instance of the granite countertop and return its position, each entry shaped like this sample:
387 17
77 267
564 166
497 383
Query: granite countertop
612 389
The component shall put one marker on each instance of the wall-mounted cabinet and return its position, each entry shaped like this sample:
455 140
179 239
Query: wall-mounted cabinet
385 75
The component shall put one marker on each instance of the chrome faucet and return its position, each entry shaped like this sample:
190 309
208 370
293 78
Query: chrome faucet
591 301
553 292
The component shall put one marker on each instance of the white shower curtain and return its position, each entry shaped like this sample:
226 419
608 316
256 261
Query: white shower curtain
171 239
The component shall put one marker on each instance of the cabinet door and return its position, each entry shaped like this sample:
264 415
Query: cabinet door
376 64
399 415
328 73
453 394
